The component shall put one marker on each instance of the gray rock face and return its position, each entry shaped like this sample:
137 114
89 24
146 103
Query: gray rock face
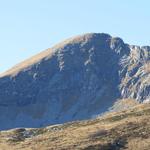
77 79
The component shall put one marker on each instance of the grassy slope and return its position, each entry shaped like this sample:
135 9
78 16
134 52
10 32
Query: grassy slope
114 131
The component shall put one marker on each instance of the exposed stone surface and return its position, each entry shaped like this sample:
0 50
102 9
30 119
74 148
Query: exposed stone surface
74 80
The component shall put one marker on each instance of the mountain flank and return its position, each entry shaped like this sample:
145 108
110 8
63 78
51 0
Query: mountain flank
77 79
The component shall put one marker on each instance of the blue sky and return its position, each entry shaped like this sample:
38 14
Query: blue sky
30 26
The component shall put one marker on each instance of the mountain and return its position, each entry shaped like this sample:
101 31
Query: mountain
125 130
77 79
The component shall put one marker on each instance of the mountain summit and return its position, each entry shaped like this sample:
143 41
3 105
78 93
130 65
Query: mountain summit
76 79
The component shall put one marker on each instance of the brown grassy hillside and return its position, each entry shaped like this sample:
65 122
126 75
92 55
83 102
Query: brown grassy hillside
114 131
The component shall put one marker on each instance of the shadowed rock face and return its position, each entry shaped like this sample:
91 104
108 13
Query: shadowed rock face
77 79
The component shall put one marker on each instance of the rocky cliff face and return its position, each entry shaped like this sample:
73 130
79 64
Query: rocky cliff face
77 79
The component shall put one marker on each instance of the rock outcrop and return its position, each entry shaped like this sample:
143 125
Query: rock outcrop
76 79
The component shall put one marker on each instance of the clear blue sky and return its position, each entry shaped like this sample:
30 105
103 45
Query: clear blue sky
30 26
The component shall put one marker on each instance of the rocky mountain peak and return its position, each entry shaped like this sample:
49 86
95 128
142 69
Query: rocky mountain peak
77 79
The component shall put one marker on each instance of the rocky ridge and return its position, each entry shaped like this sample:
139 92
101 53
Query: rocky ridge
76 79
